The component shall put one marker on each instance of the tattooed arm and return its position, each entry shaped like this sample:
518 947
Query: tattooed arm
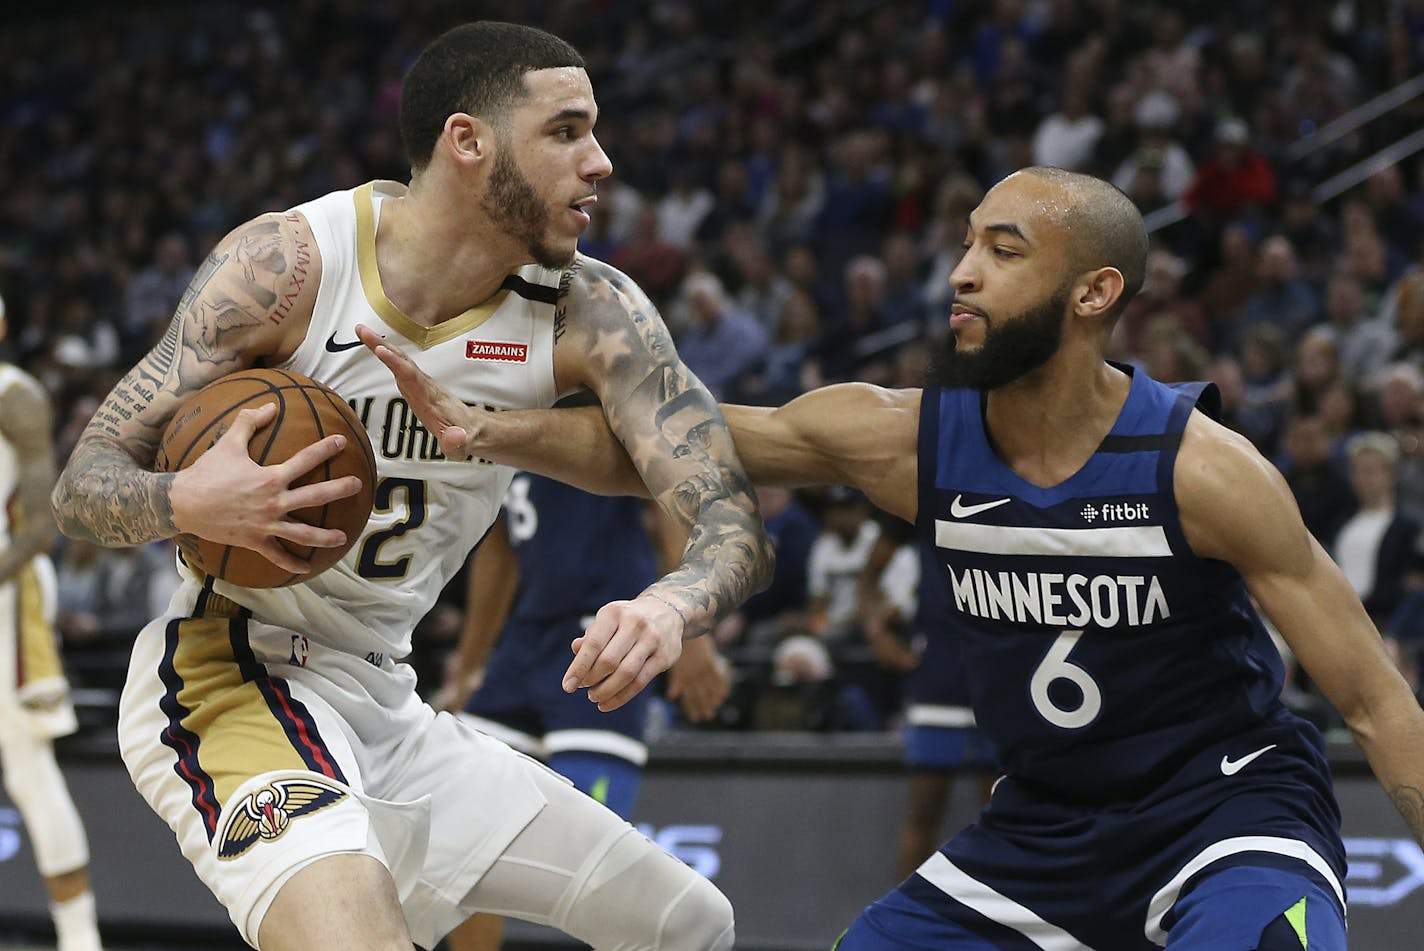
25 422
250 300
610 338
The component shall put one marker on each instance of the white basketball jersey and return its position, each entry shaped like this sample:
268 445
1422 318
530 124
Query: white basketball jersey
429 511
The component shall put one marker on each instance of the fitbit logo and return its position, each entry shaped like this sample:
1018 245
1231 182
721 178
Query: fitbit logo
1115 512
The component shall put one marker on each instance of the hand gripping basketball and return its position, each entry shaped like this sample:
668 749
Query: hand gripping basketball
300 513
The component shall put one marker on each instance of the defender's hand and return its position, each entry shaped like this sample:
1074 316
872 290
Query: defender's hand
627 645
438 410
701 679
459 686
227 498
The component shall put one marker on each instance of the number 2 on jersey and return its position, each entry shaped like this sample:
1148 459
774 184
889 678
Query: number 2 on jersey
412 492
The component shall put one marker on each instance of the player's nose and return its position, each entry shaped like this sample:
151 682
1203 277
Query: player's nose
596 164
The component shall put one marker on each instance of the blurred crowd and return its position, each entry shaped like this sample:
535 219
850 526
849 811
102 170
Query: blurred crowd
792 179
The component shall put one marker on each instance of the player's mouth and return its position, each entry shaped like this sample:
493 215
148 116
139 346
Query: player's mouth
580 209
961 315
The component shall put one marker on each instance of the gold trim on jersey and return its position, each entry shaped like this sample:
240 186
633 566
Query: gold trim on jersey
39 654
423 337
238 736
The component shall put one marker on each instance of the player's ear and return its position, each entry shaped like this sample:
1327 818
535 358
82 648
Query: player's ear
1097 292
467 139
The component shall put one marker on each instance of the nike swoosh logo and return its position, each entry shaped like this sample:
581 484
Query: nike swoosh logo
333 347
1230 767
959 510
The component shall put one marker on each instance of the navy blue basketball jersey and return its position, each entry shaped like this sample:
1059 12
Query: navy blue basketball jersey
576 551
1100 650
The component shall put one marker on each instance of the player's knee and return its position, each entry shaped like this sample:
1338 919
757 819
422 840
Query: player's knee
700 921
635 896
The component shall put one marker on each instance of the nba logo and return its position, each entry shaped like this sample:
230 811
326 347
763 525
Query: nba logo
300 649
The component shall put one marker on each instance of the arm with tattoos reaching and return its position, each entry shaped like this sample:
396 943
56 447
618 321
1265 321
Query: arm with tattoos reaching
610 339
250 300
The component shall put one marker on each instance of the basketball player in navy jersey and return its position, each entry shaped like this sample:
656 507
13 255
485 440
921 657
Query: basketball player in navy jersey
1104 539
552 559
278 731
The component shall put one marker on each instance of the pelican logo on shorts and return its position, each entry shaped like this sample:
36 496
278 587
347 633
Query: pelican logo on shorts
264 815
497 350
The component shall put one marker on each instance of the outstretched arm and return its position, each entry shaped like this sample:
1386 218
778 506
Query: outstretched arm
251 298
1236 507
850 434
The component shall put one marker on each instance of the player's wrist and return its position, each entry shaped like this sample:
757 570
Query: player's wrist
174 511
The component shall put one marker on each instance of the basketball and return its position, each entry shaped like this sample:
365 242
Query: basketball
307 411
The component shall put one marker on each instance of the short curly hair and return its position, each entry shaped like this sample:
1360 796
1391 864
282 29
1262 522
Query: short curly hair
477 68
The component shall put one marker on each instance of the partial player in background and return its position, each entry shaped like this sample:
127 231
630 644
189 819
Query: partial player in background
278 731
552 559
34 696
909 625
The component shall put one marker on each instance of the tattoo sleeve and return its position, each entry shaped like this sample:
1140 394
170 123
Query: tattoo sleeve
677 439
232 312
1410 803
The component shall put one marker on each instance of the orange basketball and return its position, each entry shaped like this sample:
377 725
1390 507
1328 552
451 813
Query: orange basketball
307 411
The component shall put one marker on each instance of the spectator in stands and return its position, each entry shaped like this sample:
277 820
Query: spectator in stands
1398 214
720 341
1364 344
1321 491
1235 180
1314 234
1159 170
153 295
1375 545
806 692
657 265
837 558
848 349
1229 283
904 294
1067 137
1315 369
105 594
1282 298
1398 392
1161 295
793 204
792 363
683 209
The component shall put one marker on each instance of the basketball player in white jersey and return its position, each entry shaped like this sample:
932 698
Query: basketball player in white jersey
34 696
276 730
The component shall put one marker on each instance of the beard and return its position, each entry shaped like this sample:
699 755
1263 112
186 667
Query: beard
1010 350
514 205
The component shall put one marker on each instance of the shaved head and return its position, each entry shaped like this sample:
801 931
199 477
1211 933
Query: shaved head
1105 228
